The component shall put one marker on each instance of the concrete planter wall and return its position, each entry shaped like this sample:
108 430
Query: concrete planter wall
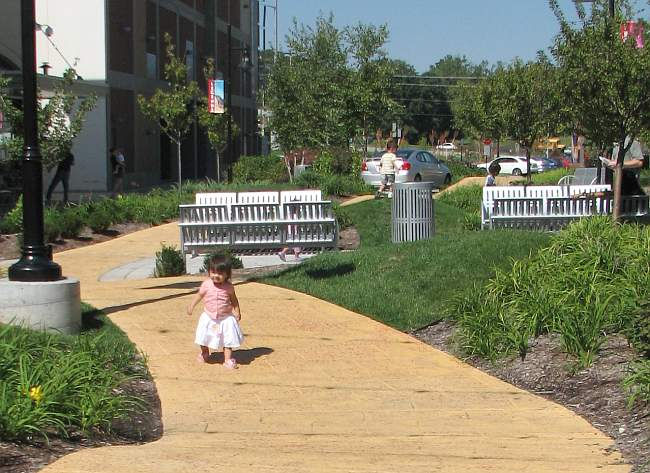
53 306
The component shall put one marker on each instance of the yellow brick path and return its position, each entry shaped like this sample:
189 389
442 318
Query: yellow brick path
320 389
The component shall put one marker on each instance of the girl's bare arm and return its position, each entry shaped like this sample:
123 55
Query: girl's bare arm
196 300
235 305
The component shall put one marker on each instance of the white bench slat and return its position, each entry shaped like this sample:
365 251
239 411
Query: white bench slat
215 198
258 198
305 195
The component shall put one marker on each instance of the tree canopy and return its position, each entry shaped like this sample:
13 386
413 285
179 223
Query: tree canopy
61 117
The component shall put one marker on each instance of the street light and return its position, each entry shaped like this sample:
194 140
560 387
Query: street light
244 64
35 263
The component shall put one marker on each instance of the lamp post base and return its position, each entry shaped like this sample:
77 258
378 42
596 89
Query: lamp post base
35 265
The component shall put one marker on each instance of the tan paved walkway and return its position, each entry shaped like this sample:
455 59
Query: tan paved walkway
324 390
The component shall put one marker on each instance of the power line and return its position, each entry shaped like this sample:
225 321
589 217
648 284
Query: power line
440 77
427 85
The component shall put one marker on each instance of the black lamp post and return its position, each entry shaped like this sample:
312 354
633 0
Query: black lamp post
245 60
35 263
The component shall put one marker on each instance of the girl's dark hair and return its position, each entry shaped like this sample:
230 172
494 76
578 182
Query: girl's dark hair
221 264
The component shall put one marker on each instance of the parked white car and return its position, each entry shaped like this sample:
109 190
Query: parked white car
514 165
446 147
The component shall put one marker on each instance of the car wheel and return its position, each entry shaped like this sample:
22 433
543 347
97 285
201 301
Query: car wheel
516 172
447 179
417 178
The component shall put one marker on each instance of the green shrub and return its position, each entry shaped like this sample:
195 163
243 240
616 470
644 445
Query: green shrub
308 179
225 253
467 198
460 170
591 281
169 262
13 221
100 218
56 384
337 162
344 186
343 216
52 228
260 168
71 220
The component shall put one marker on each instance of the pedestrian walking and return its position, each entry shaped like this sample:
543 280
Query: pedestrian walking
62 175
218 327
118 166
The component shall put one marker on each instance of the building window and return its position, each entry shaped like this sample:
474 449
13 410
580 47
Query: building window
189 59
152 66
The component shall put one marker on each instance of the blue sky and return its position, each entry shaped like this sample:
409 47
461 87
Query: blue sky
424 31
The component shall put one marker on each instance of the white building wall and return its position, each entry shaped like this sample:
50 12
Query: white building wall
79 34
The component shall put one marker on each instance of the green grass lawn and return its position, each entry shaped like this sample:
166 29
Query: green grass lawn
408 285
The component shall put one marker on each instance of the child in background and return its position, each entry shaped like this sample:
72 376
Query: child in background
387 166
493 172
218 326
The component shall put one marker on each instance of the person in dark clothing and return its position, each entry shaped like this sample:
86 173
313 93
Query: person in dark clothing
63 176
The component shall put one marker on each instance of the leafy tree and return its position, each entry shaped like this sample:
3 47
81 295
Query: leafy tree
525 94
305 91
604 80
172 108
476 112
60 120
370 103
331 86
215 125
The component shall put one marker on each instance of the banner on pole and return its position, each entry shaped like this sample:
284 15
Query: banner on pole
632 29
216 96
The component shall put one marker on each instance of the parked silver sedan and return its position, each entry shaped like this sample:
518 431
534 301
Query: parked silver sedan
413 165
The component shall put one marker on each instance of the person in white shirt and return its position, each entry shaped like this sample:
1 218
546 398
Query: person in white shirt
387 166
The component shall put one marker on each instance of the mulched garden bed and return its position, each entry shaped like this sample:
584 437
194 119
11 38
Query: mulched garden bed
594 393
141 426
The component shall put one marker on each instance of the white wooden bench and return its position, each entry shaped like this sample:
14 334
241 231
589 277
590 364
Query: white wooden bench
552 207
258 222
491 193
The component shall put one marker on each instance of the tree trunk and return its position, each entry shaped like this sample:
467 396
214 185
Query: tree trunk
618 181
218 167
498 148
178 151
528 177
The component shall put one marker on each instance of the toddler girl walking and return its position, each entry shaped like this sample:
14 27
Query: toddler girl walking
218 326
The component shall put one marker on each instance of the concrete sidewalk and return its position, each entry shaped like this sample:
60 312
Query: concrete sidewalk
320 389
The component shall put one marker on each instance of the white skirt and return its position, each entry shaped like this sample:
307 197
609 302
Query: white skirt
220 333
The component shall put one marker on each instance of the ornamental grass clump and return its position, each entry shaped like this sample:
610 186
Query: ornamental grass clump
53 384
591 281
169 262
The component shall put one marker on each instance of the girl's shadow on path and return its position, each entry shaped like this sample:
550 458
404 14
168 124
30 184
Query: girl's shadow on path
243 357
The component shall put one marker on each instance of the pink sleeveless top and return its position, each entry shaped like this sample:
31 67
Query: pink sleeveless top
216 298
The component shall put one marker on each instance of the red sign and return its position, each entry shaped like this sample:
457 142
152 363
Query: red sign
215 96
487 141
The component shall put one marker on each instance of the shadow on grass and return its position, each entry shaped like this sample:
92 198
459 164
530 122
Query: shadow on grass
243 357
91 319
330 272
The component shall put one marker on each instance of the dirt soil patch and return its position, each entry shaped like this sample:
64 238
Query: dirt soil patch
594 393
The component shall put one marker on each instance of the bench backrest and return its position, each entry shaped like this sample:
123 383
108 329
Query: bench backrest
216 198
514 192
258 198
305 195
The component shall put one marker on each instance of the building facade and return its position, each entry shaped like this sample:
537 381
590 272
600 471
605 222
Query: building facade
117 48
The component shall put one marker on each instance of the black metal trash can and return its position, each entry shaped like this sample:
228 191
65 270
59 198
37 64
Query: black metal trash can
412 212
